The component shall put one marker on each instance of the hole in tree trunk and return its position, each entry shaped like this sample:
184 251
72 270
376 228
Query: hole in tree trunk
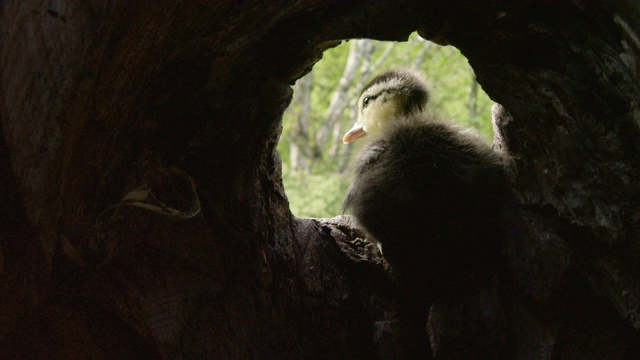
316 164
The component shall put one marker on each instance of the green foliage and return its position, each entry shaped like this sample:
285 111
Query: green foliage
452 80
319 191
315 195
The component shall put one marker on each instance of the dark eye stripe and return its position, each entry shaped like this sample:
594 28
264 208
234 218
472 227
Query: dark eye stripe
367 99
392 90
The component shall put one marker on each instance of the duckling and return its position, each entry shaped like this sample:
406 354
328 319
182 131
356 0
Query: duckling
427 191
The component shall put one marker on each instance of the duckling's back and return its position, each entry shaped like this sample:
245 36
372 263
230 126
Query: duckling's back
430 193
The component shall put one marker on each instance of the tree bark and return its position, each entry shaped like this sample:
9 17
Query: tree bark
121 118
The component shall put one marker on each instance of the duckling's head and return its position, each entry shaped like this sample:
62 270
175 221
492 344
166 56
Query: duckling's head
389 97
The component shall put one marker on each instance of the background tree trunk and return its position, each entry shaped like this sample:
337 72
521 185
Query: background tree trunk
301 140
120 120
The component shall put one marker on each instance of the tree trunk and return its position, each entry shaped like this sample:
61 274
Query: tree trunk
301 146
143 212
358 52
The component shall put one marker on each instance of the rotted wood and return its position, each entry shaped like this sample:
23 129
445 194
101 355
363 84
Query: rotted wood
570 134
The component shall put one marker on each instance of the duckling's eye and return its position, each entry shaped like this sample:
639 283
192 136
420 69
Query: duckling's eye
365 102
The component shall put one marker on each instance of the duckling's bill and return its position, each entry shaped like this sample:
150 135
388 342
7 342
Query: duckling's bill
356 132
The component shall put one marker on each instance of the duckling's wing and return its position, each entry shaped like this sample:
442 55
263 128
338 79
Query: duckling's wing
348 198
367 160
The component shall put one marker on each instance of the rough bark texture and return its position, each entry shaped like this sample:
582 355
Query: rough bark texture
103 102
